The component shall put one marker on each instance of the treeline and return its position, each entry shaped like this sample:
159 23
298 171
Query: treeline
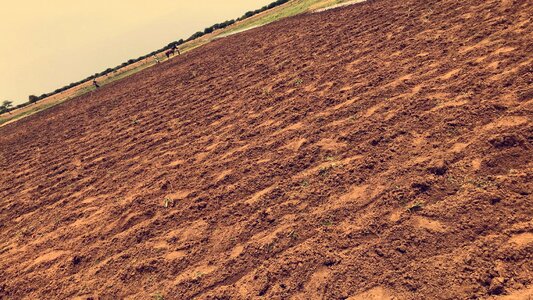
34 98
262 9
6 106
228 23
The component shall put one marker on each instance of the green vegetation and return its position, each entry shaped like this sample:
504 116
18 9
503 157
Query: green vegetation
198 275
304 183
326 169
327 222
416 206
293 235
33 99
231 22
26 113
168 202
296 7
6 106
158 296
483 182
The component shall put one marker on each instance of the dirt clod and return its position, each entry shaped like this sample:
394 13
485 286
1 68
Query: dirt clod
496 286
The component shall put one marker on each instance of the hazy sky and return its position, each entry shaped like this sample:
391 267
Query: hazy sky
46 44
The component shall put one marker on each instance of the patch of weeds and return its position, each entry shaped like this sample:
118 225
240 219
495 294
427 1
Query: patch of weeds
135 122
416 206
158 296
330 158
198 275
168 202
336 165
267 92
298 81
327 223
304 183
267 247
292 234
482 183
324 170
454 180
399 194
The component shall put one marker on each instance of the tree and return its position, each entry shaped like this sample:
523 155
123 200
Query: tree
196 35
6 106
33 98
171 45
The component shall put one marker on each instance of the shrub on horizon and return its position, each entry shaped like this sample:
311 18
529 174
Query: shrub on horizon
33 98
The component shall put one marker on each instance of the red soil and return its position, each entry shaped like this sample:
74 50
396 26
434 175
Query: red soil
378 151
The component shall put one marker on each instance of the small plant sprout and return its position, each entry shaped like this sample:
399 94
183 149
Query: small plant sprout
298 81
292 234
482 183
416 206
158 296
168 202
327 222
325 170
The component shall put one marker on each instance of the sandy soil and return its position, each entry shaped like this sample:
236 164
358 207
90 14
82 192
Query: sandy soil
377 151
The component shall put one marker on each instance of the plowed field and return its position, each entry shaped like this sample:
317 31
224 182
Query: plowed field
377 151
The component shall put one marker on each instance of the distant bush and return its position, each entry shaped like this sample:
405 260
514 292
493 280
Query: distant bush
262 9
22 105
6 106
33 98
195 36
230 22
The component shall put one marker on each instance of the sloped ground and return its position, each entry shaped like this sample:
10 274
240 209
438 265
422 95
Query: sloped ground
378 151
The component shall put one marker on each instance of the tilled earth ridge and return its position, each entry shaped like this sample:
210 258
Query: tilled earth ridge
377 151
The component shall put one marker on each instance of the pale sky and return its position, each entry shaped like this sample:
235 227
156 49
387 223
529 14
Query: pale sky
47 44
